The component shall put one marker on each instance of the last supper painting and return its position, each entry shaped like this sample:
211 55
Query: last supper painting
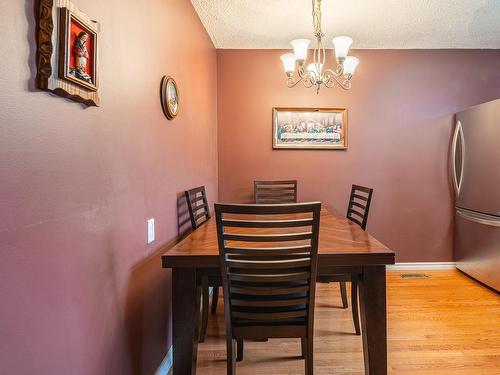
79 46
310 128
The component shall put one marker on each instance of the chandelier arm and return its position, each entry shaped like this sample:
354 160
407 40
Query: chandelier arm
319 54
335 73
331 79
309 82
329 83
339 70
292 82
301 72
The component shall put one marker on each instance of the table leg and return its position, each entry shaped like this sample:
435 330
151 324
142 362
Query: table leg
185 312
372 292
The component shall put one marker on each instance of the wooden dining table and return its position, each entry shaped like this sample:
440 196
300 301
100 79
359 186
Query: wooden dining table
343 248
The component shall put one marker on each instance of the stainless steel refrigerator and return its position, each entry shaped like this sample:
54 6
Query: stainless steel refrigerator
475 166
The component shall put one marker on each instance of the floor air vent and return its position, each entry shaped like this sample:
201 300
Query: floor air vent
414 275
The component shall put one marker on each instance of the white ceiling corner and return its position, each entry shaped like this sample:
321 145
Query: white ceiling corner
377 24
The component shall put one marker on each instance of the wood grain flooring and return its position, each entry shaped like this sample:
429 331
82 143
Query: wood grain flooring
444 324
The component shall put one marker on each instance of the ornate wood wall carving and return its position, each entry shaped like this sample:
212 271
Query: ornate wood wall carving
48 50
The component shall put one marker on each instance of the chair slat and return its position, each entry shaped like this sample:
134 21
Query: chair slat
356 212
196 208
364 189
282 189
276 182
269 264
267 237
267 223
196 199
270 303
262 251
355 220
358 205
270 316
270 257
268 291
276 200
254 278
357 196
200 215
198 189
276 194
269 209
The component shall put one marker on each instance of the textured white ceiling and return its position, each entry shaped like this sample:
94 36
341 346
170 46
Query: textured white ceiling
249 24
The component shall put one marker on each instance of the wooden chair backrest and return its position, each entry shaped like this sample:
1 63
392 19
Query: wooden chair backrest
275 192
268 257
199 211
359 205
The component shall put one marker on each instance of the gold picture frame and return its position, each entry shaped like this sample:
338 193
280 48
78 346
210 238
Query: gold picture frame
170 98
310 128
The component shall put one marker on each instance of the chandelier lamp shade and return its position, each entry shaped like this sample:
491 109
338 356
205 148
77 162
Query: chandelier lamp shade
315 74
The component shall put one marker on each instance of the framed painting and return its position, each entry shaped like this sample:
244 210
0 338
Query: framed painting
310 128
78 50
67 55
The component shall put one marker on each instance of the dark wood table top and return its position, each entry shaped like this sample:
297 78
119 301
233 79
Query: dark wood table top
341 243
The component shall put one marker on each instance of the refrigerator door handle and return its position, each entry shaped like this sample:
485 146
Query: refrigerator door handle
479 218
457 183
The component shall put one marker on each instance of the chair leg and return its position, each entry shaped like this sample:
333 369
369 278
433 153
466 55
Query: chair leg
309 360
204 308
231 363
239 350
215 299
354 306
343 293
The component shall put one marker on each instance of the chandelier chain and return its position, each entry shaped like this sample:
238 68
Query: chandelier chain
316 15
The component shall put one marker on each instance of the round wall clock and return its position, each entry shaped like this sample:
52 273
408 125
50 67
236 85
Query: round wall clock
169 97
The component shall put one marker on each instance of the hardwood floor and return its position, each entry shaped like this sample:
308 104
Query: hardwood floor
444 324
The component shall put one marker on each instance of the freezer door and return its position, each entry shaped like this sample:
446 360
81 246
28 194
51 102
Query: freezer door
477 246
477 141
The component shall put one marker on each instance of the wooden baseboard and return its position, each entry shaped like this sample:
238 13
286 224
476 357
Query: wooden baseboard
422 266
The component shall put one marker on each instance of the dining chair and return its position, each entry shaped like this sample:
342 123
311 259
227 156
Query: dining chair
269 192
268 258
359 205
199 213
357 211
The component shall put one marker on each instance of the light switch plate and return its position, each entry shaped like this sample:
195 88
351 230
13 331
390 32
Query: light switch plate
151 230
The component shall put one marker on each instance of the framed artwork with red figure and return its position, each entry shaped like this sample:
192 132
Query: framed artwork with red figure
78 50
67 55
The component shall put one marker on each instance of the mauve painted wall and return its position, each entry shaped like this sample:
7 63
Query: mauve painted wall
400 112
80 291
